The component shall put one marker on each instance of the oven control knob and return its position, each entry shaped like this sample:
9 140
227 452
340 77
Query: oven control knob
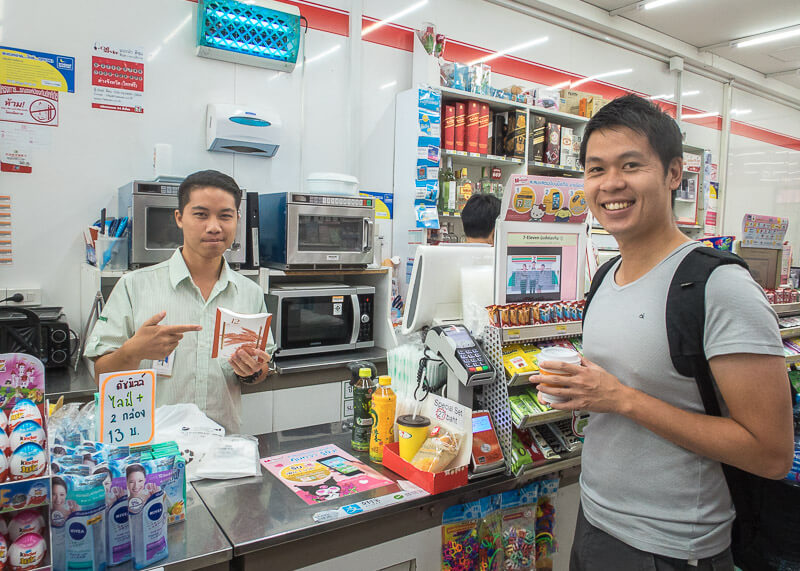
365 318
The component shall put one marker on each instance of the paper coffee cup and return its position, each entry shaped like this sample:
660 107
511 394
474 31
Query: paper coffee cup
413 430
561 354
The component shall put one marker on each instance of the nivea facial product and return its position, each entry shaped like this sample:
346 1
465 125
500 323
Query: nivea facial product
84 527
147 509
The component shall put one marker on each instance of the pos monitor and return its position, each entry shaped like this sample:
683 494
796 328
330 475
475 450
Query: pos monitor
443 278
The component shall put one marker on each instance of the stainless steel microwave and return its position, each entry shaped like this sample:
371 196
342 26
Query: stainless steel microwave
307 231
153 235
312 318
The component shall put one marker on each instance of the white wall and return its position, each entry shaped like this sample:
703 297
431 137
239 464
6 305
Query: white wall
92 152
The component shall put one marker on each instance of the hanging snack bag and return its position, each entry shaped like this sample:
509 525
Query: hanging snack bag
147 511
546 544
460 537
84 527
518 530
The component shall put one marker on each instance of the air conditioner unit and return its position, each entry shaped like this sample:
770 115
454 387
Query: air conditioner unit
261 33
242 129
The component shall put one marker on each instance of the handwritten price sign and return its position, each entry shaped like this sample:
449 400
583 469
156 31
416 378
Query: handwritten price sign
127 407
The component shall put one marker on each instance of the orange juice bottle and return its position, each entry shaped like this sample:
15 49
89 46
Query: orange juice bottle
382 411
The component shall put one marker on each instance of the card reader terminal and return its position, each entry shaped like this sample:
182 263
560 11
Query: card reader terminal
461 353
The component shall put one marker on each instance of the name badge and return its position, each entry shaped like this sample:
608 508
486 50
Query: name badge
163 368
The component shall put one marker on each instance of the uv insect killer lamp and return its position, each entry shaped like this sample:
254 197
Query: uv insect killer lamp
261 33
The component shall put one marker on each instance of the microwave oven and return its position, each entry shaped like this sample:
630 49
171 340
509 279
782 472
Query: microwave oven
308 231
313 318
153 234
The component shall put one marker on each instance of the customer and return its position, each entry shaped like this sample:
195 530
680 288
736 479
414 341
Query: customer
653 495
478 217
172 307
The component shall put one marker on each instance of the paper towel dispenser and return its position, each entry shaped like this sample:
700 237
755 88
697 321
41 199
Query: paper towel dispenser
231 128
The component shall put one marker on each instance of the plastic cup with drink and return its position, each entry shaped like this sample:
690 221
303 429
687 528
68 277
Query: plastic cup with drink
561 354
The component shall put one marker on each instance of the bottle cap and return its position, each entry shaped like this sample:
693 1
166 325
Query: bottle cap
365 372
384 380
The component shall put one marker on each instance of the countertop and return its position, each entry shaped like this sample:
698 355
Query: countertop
69 383
261 514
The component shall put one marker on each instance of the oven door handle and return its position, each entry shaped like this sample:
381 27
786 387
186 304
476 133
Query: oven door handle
356 318
367 241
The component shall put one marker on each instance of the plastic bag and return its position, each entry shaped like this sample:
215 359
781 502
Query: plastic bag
234 456
490 535
519 528
546 544
460 544
438 450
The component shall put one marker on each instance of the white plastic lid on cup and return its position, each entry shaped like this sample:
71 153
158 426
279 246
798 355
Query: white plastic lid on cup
561 354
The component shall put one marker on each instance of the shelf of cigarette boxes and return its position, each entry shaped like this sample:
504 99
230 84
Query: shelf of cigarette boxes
541 332
463 157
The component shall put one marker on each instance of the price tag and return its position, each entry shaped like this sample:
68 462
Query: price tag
127 407
561 328
512 333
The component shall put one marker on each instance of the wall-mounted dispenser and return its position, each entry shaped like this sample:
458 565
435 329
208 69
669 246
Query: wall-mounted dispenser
231 128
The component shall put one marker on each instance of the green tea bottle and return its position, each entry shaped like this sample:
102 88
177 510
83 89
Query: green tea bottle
362 420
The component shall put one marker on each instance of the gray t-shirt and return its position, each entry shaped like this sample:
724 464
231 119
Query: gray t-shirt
635 485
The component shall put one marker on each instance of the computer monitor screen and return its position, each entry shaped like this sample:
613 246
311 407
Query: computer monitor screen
444 279
533 274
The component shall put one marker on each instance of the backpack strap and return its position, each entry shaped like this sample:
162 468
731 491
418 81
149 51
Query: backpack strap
686 317
596 281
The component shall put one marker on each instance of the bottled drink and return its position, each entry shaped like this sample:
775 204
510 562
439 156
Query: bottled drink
384 402
362 401
463 190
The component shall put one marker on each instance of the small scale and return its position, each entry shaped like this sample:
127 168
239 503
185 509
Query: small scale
487 456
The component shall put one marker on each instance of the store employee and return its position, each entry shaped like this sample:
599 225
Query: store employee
478 218
172 306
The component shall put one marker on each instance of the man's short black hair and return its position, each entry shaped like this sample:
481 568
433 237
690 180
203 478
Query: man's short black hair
479 215
643 117
207 179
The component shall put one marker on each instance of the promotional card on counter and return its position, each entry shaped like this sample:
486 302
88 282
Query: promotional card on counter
324 473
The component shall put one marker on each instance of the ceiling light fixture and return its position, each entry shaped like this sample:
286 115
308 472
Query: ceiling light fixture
601 76
657 4
769 37
741 111
522 46
700 115
392 18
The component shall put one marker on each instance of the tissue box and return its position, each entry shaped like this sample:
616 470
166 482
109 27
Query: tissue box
431 482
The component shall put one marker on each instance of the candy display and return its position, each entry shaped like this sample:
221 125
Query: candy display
27 552
460 543
535 313
25 522
490 551
518 527
783 295
546 545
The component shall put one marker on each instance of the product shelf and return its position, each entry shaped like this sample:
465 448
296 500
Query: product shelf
688 200
790 332
463 157
567 119
543 418
541 332
786 308
534 471
538 167
450 94
792 359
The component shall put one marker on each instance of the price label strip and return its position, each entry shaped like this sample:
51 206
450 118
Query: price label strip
409 492
127 407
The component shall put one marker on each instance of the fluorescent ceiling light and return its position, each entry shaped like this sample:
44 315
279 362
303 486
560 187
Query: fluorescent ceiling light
700 115
741 111
522 46
388 85
392 18
601 76
657 4
671 95
769 38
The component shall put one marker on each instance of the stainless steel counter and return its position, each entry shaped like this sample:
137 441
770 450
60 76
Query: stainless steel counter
197 543
71 384
270 527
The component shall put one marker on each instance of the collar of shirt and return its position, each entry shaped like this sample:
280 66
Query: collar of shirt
178 272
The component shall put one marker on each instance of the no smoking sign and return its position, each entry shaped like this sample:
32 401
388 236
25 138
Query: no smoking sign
28 105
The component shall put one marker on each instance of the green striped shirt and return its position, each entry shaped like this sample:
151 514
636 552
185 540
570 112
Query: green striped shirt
209 383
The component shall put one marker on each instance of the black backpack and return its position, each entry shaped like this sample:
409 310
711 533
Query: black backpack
760 540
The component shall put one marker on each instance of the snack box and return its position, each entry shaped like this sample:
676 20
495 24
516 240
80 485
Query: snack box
431 482
24 494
